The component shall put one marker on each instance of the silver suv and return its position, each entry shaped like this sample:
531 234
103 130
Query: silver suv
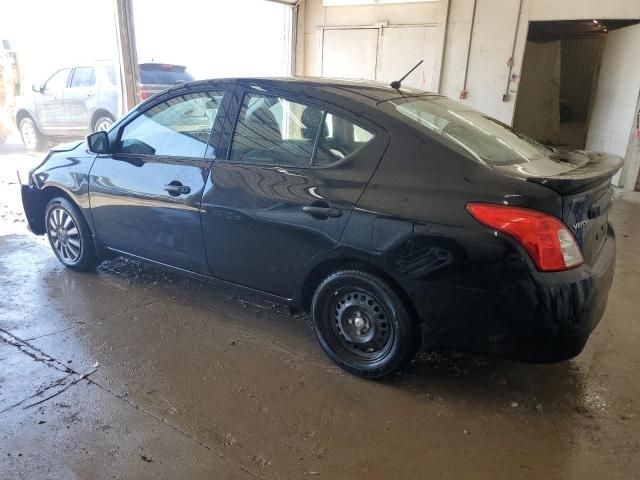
79 100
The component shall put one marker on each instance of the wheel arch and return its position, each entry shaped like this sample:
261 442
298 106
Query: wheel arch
40 205
99 112
347 261
23 113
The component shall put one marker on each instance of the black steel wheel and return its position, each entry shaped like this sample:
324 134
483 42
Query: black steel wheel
362 324
69 235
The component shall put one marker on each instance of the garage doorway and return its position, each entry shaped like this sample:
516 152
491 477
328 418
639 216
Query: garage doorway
559 81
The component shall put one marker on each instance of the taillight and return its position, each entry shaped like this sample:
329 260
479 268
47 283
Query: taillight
548 241
144 94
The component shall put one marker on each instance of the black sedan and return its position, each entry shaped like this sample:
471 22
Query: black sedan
399 218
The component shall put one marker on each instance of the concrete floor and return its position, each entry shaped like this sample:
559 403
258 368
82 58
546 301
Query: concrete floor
135 373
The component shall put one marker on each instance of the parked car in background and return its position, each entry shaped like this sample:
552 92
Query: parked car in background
79 100
400 219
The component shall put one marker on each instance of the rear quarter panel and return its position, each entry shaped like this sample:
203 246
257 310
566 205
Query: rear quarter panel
446 258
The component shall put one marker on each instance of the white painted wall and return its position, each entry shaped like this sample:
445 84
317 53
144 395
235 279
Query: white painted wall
316 15
615 104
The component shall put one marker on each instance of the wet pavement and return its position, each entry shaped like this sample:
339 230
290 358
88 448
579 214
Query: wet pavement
133 372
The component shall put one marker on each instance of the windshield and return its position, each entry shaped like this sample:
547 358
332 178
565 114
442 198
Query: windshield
483 138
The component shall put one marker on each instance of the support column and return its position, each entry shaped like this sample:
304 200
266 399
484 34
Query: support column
127 55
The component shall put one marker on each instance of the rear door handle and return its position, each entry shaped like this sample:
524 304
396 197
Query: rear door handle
176 189
322 212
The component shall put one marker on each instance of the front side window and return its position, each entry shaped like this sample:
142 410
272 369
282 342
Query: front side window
57 82
481 137
83 77
275 131
179 126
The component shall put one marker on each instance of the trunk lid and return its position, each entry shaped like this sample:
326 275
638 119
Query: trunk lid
583 179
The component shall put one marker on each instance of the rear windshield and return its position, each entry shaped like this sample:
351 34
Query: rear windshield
163 74
483 138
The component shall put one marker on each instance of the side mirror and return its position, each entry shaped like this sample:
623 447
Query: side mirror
99 142
36 87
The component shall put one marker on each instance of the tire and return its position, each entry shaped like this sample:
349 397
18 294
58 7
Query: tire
362 324
102 123
70 236
32 138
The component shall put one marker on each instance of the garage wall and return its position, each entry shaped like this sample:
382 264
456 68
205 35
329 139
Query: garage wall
616 102
494 30
402 21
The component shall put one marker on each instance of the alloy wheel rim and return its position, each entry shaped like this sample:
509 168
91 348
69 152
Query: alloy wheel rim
64 235
103 125
28 133
362 325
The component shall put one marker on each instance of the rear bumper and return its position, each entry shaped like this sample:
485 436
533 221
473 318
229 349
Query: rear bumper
546 317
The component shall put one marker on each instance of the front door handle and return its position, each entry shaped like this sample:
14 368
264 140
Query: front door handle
322 211
176 188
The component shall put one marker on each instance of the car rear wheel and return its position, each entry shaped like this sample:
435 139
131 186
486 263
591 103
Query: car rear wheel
32 138
70 236
102 123
362 324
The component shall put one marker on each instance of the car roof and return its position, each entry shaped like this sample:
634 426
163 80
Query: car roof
362 90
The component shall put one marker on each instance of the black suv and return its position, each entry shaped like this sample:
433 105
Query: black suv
399 218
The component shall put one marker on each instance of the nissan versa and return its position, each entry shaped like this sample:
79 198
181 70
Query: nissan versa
399 218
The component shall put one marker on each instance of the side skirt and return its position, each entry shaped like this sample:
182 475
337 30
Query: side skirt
289 302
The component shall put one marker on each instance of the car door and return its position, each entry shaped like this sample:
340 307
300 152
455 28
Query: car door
280 193
80 99
145 196
49 103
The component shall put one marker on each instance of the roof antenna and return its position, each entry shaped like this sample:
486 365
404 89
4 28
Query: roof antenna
398 83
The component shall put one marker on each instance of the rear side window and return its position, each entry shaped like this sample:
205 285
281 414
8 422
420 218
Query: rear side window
339 139
177 127
83 77
276 131
111 74
161 74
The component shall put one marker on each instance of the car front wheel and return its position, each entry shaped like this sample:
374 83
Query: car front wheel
70 236
362 324
32 138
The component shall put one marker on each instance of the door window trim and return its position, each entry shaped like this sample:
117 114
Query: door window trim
157 101
246 90
66 85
